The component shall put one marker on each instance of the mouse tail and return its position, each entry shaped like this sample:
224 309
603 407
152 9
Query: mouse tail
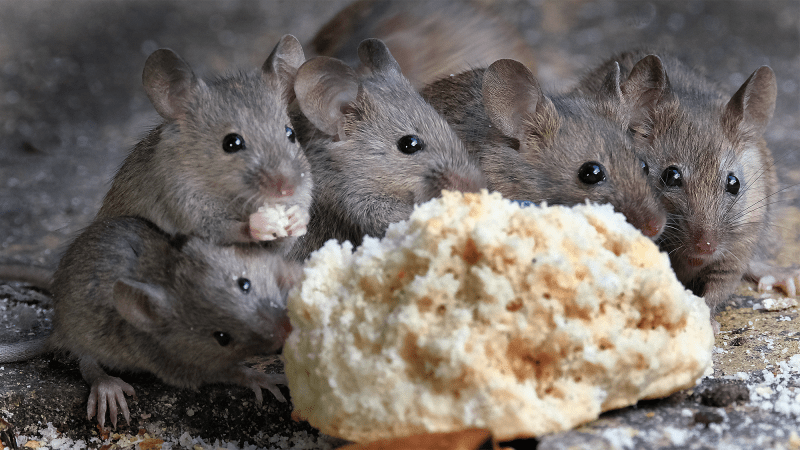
23 351
36 276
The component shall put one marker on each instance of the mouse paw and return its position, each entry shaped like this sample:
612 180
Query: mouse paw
257 381
783 280
108 393
263 227
298 221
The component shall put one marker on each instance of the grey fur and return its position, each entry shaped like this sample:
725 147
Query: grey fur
180 178
350 123
128 297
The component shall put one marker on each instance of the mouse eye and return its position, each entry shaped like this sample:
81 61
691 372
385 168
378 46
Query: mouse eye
232 143
591 173
732 184
672 177
645 167
290 135
244 284
222 338
410 144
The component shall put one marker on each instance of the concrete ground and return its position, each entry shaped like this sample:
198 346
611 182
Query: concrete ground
72 106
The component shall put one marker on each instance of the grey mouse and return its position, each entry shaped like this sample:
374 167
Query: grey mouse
225 149
429 40
376 148
554 149
709 157
130 298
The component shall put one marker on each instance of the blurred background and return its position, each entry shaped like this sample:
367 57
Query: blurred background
72 104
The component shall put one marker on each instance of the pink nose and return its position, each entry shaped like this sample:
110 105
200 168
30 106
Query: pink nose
705 243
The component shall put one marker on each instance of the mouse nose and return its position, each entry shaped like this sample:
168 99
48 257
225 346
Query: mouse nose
704 243
277 184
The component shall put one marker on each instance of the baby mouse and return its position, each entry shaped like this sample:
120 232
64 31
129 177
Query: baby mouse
429 40
128 297
376 148
708 155
559 150
225 149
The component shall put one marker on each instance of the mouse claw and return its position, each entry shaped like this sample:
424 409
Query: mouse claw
298 222
257 381
108 394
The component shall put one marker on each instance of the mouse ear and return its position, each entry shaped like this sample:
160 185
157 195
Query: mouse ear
325 89
376 57
515 103
168 82
142 305
610 89
751 107
646 86
285 59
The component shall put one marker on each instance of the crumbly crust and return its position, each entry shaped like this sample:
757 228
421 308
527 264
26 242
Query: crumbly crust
478 313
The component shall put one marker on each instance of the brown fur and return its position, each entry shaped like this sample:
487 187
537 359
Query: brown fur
712 236
429 40
532 147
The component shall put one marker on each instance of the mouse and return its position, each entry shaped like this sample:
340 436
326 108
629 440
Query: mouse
376 148
711 163
224 156
555 149
129 297
429 40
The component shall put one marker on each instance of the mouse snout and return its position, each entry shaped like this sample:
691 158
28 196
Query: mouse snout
649 222
464 181
704 243
277 184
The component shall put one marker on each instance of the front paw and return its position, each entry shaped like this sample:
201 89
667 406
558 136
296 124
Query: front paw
257 381
272 222
785 280
108 393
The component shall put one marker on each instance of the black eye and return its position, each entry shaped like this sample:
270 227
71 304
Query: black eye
732 184
244 284
232 143
591 173
672 177
290 134
645 167
410 144
222 338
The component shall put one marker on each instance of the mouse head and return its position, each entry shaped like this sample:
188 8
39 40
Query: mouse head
220 305
569 151
714 170
231 137
384 140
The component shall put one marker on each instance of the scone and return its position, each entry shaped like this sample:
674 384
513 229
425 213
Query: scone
477 313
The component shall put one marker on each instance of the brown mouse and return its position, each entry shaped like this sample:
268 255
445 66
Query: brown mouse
226 147
554 149
429 40
708 155
376 148
130 298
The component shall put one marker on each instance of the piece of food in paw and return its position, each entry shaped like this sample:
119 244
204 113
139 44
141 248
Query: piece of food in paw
478 313
273 221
